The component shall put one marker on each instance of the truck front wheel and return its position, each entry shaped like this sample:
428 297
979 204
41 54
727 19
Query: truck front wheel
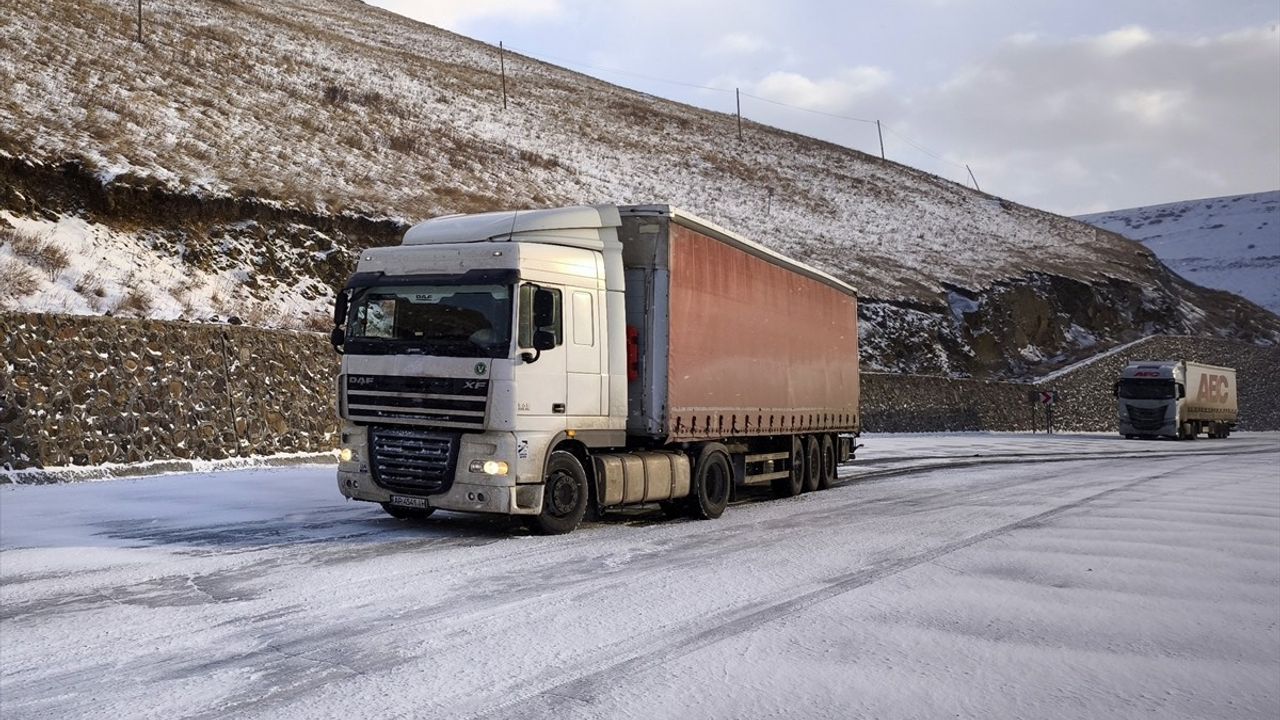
564 496
712 481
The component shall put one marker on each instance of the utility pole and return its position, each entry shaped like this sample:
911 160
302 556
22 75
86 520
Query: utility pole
880 133
139 21
737 96
502 66
974 179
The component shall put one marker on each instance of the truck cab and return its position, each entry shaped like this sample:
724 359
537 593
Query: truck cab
472 346
1147 397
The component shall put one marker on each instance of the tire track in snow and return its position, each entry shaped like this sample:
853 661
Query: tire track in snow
582 689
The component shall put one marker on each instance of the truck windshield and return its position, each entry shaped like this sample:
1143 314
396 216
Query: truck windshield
1135 389
451 320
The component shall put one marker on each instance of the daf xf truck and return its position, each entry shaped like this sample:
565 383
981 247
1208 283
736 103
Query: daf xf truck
546 363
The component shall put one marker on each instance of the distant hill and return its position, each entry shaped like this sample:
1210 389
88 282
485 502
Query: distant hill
1228 243
236 161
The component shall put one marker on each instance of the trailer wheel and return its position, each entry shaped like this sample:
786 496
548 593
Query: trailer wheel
564 496
404 513
712 481
828 447
794 484
812 464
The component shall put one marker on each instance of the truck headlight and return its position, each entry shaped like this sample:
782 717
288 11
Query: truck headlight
345 455
489 467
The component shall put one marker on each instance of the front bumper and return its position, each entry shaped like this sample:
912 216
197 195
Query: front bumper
463 497
467 492
1168 429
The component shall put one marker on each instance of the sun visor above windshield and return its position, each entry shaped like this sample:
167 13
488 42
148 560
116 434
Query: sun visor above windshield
500 276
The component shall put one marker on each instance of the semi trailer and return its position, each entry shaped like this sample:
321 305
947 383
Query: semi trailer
1176 398
549 363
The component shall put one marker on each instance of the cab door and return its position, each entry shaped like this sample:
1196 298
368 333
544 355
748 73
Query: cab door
541 385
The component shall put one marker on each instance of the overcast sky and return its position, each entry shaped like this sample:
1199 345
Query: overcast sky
1073 106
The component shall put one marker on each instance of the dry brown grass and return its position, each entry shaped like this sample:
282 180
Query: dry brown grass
316 322
38 252
90 287
19 281
135 303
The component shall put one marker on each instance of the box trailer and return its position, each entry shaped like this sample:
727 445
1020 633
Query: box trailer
1176 398
544 363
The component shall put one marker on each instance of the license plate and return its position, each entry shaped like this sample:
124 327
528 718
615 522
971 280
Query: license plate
409 502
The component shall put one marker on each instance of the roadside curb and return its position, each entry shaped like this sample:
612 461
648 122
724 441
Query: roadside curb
97 473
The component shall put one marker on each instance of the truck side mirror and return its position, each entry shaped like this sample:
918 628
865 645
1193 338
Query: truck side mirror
340 308
337 338
1115 389
544 310
1182 391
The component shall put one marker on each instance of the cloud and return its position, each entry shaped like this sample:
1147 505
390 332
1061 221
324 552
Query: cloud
837 93
455 15
1119 42
1043 121
737 43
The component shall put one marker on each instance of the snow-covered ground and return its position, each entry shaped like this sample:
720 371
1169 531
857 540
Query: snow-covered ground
972 575
1229 243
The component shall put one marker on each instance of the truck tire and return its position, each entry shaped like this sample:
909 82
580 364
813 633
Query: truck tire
712 482
812 463
404 513
564 496
828 477
794 484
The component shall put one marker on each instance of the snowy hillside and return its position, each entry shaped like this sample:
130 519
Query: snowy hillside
1228 243
233 163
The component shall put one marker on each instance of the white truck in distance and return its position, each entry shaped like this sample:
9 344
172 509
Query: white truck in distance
1176 398
542 363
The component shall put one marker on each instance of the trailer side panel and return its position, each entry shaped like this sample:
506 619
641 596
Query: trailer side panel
755 348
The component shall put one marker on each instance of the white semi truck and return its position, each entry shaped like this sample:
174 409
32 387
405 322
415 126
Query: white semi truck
545 363
1176 398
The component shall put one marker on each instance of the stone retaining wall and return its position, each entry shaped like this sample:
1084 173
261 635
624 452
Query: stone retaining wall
921 403
85 390
930 403
82 390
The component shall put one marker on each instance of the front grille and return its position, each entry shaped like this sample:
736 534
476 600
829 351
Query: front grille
452 403
412 460
1146 418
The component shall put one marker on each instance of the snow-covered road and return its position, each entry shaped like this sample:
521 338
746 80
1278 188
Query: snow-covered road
975 575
